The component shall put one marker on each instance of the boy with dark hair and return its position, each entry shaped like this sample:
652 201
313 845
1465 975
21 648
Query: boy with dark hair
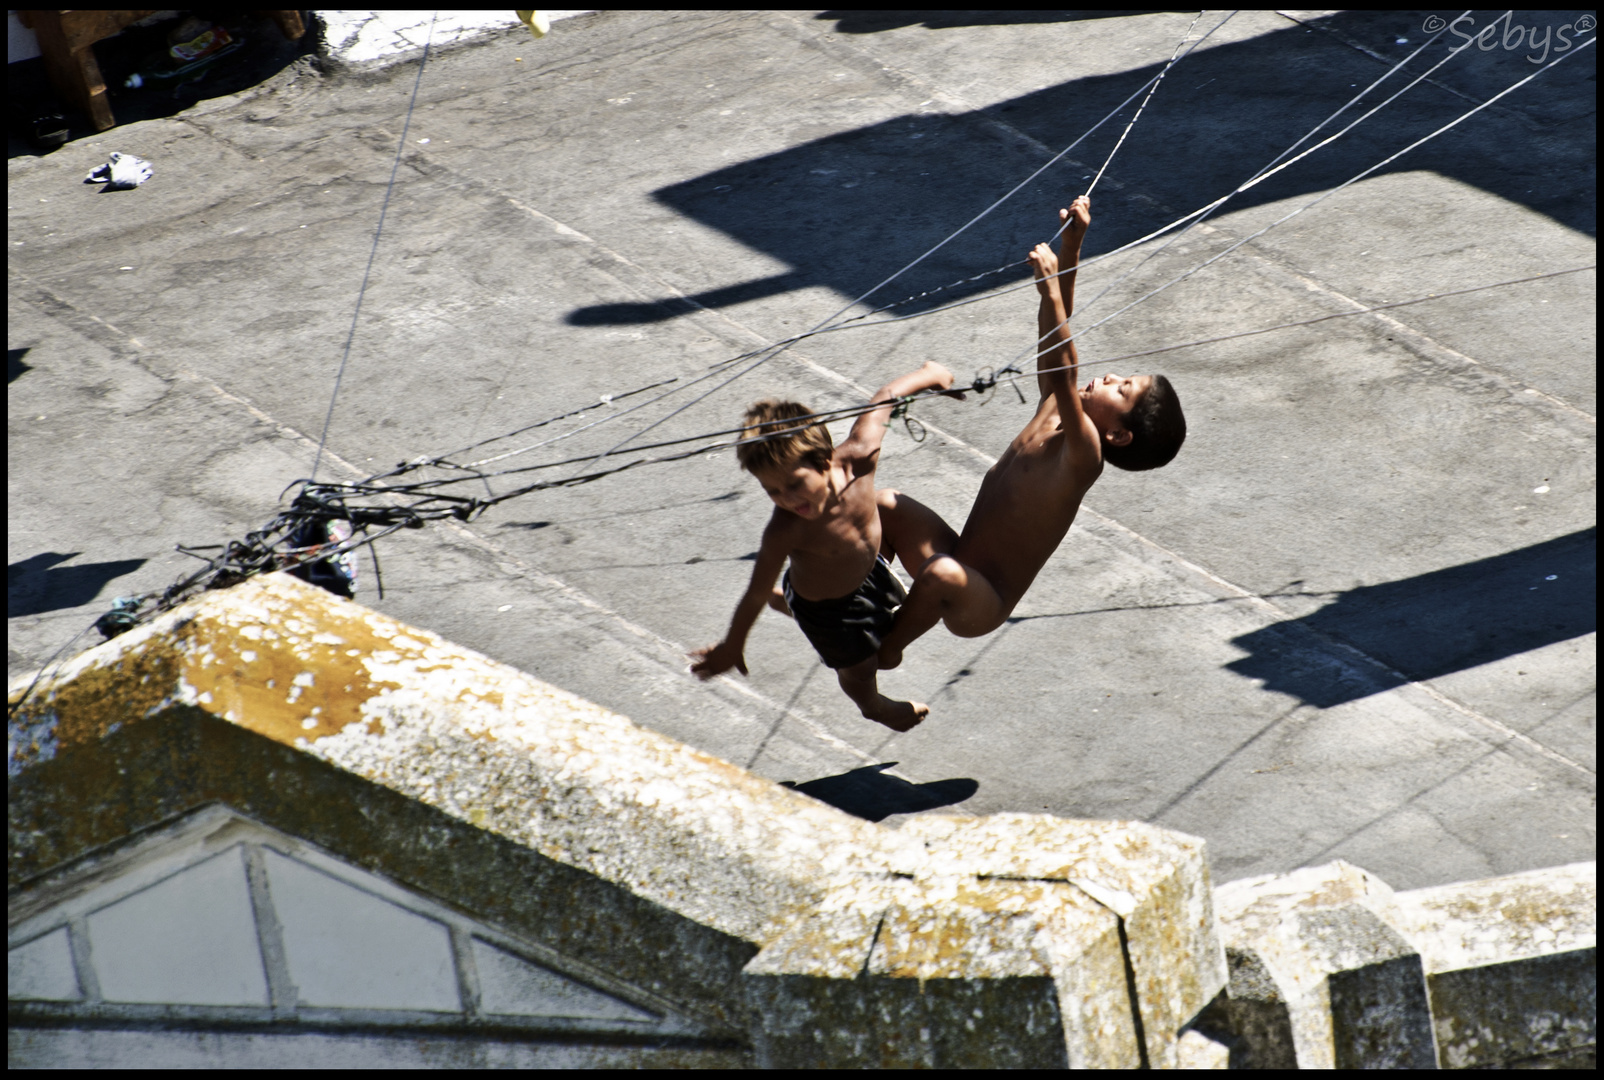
1029 498
827 521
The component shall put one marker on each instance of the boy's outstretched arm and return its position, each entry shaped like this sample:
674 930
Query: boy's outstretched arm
1059 359
730 653
869 431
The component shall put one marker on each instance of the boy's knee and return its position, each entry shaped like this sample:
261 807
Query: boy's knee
941 571
886 498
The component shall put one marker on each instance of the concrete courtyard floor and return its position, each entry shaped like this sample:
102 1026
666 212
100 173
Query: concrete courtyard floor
1355 618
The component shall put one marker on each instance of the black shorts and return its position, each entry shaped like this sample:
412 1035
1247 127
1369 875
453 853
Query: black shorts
847 630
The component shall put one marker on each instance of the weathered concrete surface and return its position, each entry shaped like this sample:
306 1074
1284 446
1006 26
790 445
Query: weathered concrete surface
1327 631
1155 880
1353 988
946 973
1511 963
449 728
757 912
1332 969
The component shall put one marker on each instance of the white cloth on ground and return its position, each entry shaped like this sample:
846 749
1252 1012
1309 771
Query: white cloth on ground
121 171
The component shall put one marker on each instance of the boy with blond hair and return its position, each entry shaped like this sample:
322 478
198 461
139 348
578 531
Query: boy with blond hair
827 522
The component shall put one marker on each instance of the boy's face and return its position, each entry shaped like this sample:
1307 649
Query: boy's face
803 490
1107 399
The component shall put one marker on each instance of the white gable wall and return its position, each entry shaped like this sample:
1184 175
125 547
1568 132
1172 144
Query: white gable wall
221 921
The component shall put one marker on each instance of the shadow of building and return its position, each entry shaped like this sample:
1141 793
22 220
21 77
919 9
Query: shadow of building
37 584
846 210
1432 624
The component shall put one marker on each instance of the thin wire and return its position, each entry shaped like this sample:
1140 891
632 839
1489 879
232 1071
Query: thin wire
1198 214
1003 377
780 345
979 385
1016 376
606 399
1269 172
257 553
779 348
1309 205
1276 165
1121 142
401 517
384 208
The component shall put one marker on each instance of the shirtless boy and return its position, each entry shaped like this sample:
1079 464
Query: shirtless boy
1030 497
827 521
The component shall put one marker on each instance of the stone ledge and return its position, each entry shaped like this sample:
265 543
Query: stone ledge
1155 880
778 925
452 775
947 973
1331 969
1510 963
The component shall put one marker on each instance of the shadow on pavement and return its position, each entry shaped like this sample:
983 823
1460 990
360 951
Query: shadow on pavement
265 53
870 794
1433 624
846 210
37 585
15 366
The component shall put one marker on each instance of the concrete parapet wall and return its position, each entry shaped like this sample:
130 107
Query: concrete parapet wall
1510 962
761 914
744 922
1332 969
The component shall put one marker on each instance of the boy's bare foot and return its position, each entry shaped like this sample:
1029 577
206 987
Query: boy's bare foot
777 602
898 715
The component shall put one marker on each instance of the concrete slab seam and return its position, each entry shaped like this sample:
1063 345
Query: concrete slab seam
1274 268
812 726
1509 734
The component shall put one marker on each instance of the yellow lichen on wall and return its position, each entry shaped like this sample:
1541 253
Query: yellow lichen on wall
290 662
91 703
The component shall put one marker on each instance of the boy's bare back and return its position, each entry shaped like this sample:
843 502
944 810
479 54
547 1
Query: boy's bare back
1030 497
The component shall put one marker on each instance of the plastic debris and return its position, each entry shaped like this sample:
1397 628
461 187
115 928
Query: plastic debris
336 573
539 25
120 171
122 617
192 47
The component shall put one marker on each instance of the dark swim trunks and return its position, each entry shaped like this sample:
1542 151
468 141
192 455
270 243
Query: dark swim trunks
847 630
